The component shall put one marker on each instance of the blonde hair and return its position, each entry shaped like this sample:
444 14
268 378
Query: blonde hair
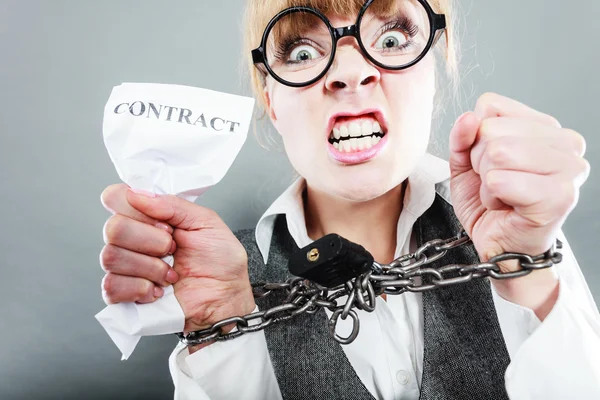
260 12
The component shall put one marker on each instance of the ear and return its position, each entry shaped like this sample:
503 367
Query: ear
270 110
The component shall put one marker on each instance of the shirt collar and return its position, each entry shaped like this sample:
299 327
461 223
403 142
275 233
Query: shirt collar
419 196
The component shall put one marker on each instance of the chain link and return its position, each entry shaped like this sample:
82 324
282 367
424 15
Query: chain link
406 273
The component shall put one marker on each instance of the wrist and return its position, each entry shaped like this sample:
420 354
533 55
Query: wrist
247 306
236 306
537 291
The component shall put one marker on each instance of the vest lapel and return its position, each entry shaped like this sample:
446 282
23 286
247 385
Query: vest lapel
465 356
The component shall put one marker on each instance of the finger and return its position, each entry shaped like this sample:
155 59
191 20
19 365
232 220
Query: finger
174 211
521 154
462 138
114 199
126 289
517 129
540 199
494 105
136 236
121 261
572 174
489 201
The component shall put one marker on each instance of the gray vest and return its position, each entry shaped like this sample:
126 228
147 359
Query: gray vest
465 356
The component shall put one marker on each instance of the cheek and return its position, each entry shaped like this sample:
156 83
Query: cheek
292 109
410 96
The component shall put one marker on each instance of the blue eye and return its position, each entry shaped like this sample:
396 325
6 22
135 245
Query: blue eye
391 40
303 53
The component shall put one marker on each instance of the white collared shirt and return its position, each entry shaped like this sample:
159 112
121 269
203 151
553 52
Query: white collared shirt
555 359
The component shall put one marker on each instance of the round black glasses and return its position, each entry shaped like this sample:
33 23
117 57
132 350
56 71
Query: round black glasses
299 44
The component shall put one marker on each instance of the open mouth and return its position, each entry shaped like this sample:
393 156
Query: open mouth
351 134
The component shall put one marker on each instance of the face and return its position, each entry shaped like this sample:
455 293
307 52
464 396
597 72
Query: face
355 98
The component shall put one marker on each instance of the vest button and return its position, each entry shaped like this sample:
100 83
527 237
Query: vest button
402 377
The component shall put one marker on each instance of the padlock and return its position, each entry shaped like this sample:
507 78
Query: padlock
331 261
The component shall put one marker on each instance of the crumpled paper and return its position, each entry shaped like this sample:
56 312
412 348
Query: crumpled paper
168 139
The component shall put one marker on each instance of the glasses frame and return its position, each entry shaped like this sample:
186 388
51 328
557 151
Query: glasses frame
437 23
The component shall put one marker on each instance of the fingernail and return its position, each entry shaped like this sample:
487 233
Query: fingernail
173 248
158 291
142 192
165 227
172 276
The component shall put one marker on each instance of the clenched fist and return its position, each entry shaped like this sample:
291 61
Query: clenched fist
210 271
516 176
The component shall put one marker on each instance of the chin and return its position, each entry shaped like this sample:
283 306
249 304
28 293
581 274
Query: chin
358 187
360 194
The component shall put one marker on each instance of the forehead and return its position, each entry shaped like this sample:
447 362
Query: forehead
327 7
333 8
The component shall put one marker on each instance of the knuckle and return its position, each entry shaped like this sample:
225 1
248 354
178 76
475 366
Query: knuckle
582 170
108 285
586 167
498 153
109 257
174 213
583 144
578 140
203 217
145 289
488 97
110 194
107 300
159 270
486 128
113 228
552 121
494 182
486 102
167 242
570 132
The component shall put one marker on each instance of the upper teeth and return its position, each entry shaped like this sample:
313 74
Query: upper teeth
356 129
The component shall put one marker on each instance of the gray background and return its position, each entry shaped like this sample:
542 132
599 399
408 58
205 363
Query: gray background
60 60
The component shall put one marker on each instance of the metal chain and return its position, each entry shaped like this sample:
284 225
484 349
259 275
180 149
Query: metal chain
404 274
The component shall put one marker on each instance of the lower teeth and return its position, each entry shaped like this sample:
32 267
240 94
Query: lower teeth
354 144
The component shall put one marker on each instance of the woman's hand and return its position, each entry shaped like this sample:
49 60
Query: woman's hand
516 175
210 270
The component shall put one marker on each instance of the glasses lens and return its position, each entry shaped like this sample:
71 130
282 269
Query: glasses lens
299 47
395 32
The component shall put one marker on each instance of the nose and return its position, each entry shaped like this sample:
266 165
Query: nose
350 70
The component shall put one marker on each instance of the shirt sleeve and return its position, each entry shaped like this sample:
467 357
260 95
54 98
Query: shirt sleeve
234 369
558 358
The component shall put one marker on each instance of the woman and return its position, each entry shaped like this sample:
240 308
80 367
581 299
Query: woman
354 107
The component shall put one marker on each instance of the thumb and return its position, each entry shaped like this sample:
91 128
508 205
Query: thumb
173 210
462 139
